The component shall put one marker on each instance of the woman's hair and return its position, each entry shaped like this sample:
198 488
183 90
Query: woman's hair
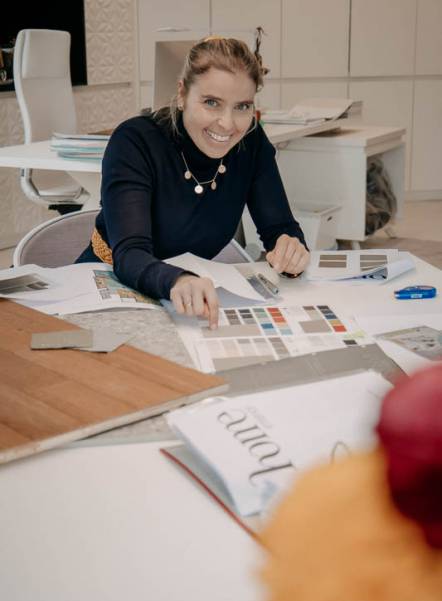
225 54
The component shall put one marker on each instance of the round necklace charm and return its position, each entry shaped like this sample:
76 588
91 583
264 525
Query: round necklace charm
187 174
198 189
213 185
222 168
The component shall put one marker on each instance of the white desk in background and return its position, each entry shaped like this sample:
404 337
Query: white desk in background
332 170
117 521
38 155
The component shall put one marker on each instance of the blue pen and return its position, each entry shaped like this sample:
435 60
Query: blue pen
415 292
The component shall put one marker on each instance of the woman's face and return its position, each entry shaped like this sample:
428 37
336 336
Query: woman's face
218 110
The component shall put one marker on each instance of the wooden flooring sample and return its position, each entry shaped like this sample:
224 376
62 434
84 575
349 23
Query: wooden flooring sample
51 397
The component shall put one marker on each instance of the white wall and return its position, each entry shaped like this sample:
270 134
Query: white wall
387 53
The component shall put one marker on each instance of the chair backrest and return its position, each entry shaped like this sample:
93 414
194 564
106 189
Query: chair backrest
56 242
42 79
61 240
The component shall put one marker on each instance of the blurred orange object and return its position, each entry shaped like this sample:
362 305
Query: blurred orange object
339 536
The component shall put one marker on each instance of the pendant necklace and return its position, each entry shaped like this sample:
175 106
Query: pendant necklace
198 189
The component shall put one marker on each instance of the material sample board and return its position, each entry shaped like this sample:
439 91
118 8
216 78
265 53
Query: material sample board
51 397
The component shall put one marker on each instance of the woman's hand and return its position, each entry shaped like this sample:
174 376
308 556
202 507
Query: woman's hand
289 255
192 295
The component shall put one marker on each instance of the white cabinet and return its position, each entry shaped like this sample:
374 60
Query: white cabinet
429 37
315 38
382 37
270 95
234 18
331 169
390 103
426 171
190 19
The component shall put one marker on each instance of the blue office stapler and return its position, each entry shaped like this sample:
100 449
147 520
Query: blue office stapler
412 292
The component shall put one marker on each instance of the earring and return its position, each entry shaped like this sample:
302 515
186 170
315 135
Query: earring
253 125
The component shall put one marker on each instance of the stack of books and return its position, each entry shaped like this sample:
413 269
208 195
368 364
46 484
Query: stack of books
80 146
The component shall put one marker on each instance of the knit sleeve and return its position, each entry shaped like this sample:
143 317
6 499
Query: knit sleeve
127 190
267 202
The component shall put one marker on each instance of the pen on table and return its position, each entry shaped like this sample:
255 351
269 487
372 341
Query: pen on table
265 281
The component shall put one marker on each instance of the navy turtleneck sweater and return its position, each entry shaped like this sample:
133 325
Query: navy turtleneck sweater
150 212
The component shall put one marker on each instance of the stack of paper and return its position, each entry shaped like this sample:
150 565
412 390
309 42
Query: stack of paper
80 146
311 111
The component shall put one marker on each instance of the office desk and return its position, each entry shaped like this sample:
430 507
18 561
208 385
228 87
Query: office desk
38 155
154 332
106 523
113 523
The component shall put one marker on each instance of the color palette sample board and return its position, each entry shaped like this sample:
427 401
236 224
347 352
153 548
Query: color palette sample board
250 335
109 288
365 266
51 397
366 261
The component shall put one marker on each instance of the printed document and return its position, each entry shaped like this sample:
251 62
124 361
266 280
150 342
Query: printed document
71 289
358 266
254 334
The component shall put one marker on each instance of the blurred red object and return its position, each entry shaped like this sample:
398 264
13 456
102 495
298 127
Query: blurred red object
410 430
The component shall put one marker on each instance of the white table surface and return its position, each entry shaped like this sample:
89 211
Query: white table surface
114 522
108 523
38 155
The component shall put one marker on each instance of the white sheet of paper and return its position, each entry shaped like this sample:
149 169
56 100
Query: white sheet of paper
222 274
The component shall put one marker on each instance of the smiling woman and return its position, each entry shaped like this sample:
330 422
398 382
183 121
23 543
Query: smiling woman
178 180
218 110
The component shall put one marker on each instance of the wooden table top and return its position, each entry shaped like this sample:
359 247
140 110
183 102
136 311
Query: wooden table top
51 397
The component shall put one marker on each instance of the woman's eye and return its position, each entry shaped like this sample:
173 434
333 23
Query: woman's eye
244 106
211 102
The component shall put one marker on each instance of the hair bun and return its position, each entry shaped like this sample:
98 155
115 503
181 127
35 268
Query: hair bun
213 38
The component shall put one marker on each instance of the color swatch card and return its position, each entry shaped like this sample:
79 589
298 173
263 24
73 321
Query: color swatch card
361 266
250 335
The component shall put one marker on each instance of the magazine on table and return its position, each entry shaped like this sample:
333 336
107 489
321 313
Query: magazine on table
71 289
246 450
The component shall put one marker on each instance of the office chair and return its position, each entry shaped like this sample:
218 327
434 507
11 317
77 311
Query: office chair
61 240
56 242
45 97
